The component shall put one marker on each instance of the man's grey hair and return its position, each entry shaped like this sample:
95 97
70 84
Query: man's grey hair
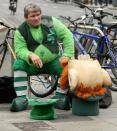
31 8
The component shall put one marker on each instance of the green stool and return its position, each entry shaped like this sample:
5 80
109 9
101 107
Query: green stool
89 107
42 108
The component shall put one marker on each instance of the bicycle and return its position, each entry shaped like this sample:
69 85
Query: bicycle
13 6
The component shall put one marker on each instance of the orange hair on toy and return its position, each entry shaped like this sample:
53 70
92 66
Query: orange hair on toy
64 83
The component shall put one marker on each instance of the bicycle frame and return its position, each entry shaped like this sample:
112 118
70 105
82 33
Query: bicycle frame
11 50
5 45
6 41
104 40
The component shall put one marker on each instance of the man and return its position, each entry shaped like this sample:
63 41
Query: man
37 51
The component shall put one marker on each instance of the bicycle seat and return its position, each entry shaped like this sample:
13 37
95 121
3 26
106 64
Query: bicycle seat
109 23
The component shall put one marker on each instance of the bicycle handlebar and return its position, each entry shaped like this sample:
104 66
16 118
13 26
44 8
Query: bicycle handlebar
100 16
84 6
115 17
77 20
68 19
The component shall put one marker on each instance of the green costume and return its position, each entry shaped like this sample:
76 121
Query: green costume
57 32
42 41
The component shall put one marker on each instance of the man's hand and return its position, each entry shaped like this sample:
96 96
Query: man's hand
36 60
64 60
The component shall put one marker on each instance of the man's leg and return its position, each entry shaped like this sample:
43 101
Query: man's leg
20 103
54 67
20 84
63 97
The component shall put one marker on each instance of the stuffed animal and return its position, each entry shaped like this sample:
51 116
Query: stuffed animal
85 77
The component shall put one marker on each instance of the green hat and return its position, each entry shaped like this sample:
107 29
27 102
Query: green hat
42 108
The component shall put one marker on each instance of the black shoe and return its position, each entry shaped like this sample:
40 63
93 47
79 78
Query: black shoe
63 102
19 104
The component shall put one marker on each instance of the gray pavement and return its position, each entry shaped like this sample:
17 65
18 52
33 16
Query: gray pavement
65 121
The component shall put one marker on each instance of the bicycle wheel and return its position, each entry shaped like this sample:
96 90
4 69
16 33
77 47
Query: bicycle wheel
114 84
114 70
3 49
112 34
42 85
112 76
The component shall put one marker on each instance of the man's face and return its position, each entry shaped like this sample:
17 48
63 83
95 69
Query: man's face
34 18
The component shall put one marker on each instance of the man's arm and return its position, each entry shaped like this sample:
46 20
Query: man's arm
20 47
22 51
65 35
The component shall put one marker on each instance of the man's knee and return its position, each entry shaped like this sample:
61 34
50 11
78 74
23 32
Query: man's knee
24 66
20 65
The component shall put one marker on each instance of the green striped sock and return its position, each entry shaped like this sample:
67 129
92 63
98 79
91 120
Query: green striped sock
20 83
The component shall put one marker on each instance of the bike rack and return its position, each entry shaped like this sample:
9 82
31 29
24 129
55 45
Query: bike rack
90 27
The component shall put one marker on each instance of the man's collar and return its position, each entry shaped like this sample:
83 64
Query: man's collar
36 27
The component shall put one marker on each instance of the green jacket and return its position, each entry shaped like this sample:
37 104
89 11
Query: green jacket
63 34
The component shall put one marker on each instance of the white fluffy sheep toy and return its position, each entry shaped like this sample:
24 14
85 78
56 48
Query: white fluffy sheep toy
85 77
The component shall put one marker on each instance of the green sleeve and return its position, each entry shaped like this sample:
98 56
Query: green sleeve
20 47
66 37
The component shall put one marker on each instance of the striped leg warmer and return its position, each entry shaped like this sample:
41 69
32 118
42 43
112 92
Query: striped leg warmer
20 83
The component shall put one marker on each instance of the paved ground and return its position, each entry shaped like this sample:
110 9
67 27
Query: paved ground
65 121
